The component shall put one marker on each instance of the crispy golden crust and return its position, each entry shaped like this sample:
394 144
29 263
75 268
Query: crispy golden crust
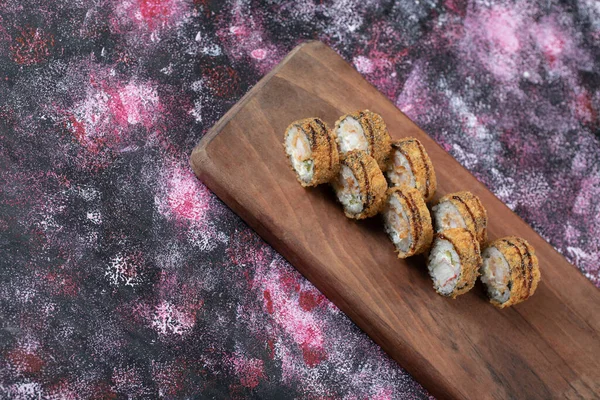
324 150
419 219
472 211
420 164
524 268
370 180
376 133
467 247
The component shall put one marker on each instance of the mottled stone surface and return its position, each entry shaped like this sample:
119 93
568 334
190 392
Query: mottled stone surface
121 275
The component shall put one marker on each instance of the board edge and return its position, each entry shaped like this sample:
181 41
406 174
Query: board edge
199 152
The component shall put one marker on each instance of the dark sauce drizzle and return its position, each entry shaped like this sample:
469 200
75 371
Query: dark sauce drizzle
415 217
459 199
523 268
328 136
427 171
367 184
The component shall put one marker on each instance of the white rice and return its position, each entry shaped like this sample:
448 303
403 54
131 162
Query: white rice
399 172
350 136
298 149
495 274
347 191
396 224
446 216
444 266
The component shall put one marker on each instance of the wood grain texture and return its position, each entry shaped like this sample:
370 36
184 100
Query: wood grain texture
547 347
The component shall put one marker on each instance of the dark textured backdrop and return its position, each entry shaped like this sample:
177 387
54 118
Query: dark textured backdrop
123 276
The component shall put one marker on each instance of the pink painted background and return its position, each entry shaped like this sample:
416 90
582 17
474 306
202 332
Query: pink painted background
122 276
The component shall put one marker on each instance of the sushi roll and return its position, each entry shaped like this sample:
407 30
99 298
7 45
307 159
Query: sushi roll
461 210
454 262
407 221
510 271
410 166
360 185
366 131
313 155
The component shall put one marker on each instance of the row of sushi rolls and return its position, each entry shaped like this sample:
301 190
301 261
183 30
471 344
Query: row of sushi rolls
371 175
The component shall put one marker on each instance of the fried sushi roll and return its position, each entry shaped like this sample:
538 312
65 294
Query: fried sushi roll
411 166
312 151
454 262
365 131
360 185
510 271
407 221
461 210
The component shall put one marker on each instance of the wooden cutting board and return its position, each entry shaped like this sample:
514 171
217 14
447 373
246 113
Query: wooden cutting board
545 348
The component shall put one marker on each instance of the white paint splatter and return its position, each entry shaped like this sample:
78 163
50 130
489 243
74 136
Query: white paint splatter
123 270
94 216
88 193
169 320
22 391
206 238
168 70
363 64
212 50
197 86
196 112
580 256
